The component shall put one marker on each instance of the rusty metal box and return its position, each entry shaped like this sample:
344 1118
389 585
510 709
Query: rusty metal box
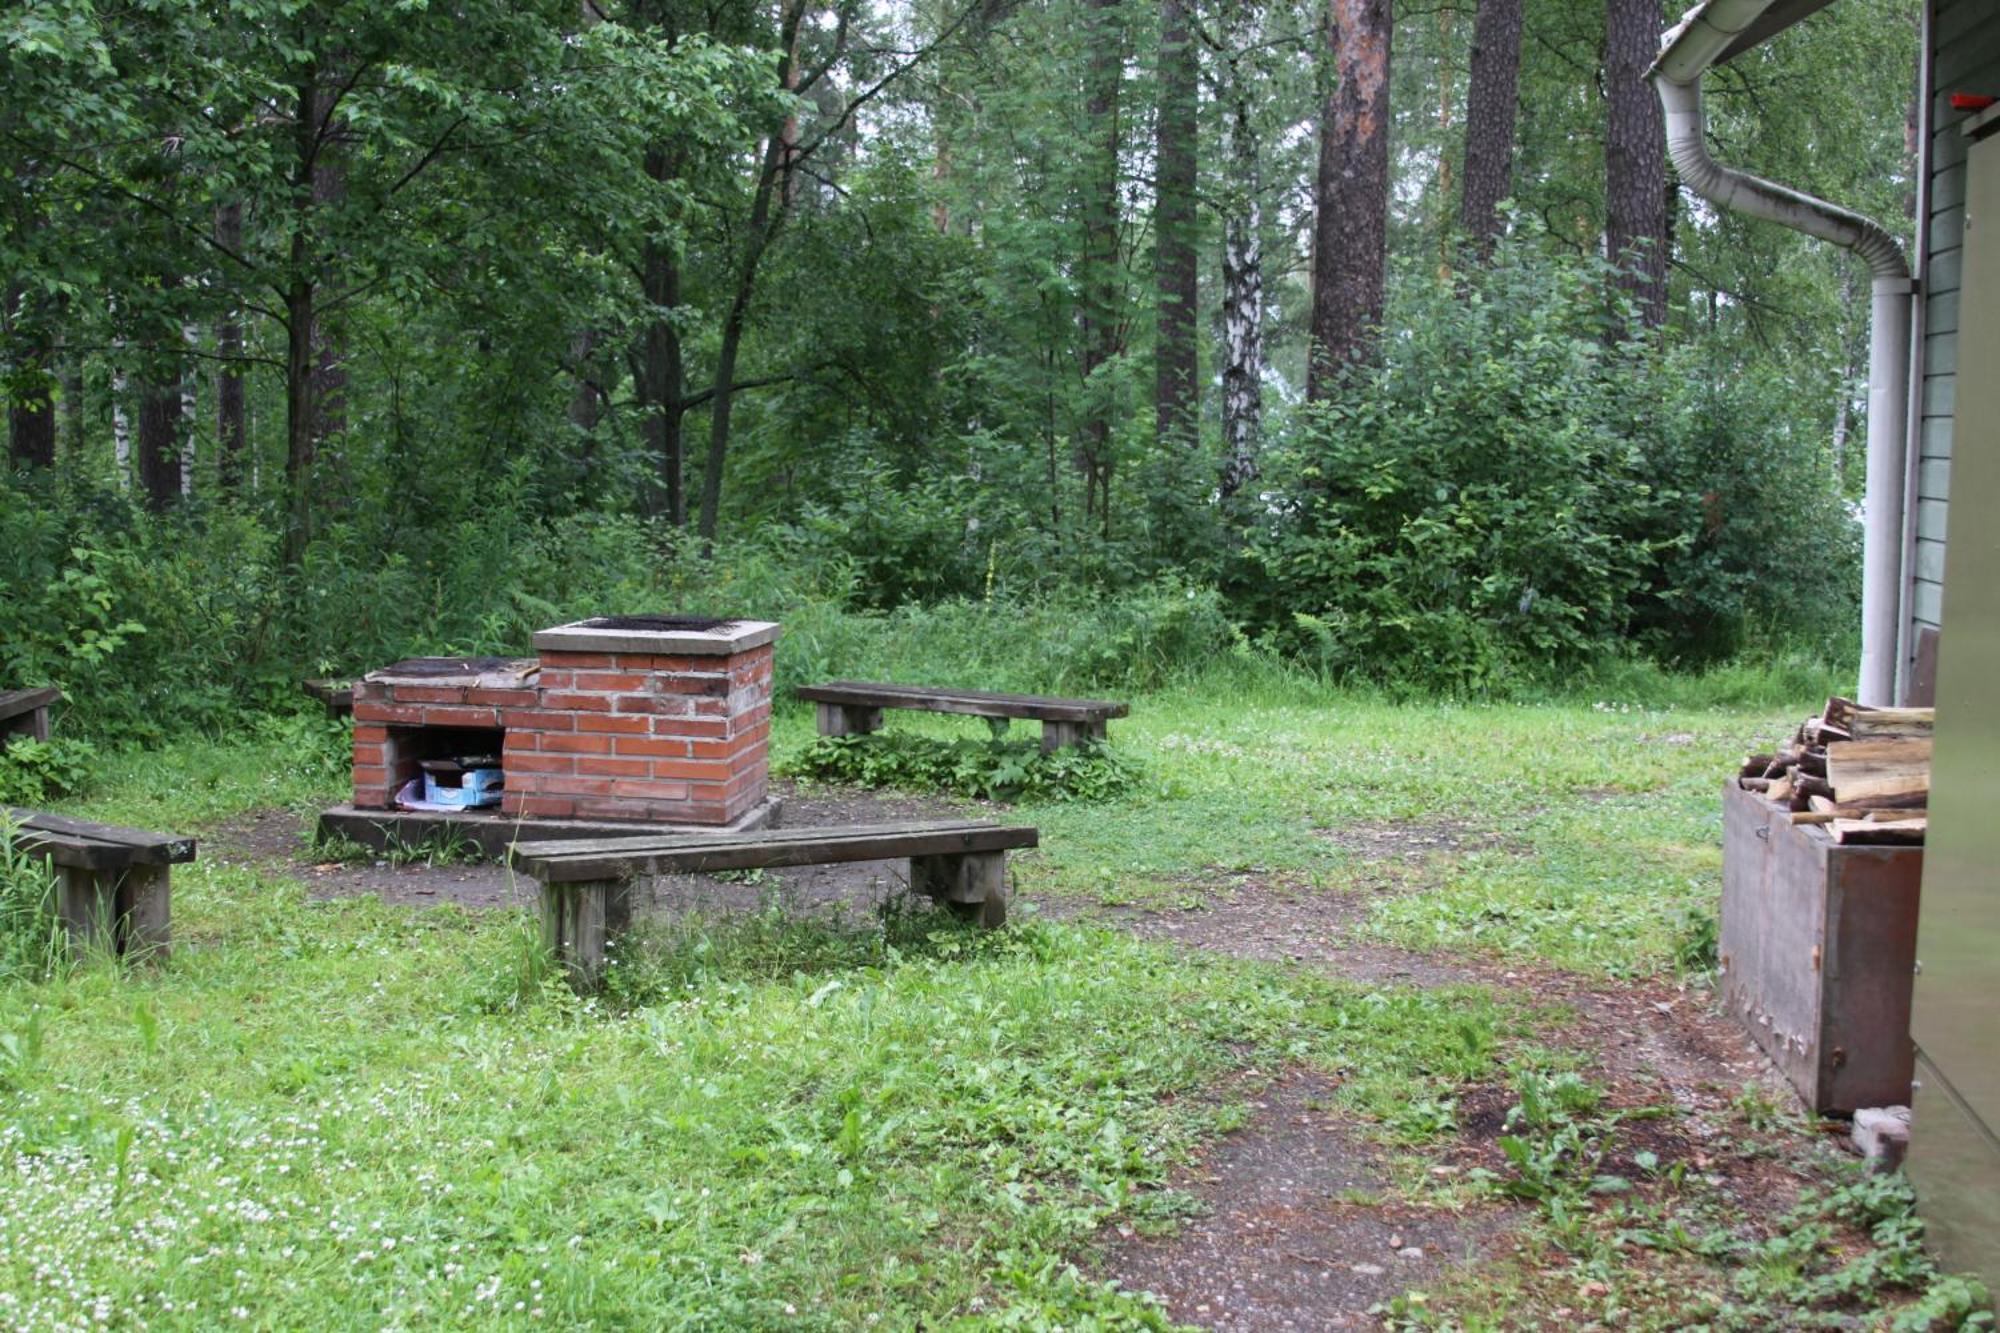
1818 953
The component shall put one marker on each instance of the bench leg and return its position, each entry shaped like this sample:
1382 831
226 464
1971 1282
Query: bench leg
580 922
87 905
1056 735
842 720
125 913
32 725
145 912
973 885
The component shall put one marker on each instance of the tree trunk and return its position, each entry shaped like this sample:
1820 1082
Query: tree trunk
1242 302
160 424
72 402
587 397
1099 285
231 429
301 328
31 432
1635 157
661 385
767 214
329 397
1352 194
1490 103
1851 351
31 417
121 424
1177 390
300 434
190 398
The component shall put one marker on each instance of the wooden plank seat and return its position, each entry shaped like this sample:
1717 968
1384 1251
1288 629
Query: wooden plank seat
112 883
337 696
854 707
586 897
26 712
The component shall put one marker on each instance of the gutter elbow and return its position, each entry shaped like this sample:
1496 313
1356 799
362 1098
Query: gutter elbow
1741 192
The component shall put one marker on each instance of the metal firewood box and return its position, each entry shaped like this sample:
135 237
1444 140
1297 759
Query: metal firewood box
1818 951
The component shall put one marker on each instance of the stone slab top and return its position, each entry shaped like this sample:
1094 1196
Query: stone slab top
493 673
661 635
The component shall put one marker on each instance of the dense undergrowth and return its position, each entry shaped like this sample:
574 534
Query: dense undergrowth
1511 505
155 629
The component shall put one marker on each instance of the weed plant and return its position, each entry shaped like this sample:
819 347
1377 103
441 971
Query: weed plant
986 770
31 937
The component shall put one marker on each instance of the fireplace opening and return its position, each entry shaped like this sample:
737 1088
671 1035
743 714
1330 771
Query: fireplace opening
409 747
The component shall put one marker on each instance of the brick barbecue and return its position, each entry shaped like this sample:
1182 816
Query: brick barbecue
658 718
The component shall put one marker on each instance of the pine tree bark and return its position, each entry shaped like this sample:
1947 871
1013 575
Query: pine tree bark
1098 316
1350 230
1176 398
1635 157
1491 99
231 417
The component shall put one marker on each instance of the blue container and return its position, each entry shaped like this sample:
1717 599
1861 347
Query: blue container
477 787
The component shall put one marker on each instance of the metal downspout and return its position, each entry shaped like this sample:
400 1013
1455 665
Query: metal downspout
1686 55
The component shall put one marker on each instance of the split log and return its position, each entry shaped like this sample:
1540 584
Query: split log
1882 724
1881 772
1887 832
1832 809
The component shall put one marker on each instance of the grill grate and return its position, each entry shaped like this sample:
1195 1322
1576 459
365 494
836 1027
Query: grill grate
659 624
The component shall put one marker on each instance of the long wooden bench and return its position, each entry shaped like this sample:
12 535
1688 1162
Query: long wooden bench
26 713
586 897
854 707
112 883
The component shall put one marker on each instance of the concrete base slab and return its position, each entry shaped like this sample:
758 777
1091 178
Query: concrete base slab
495 832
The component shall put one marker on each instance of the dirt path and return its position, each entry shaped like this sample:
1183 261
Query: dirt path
1282 1239
1292 1234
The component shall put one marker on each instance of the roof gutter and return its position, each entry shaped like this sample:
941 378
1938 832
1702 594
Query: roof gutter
1686 53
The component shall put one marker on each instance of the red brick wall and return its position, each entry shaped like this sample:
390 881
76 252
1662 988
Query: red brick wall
641 736
387 739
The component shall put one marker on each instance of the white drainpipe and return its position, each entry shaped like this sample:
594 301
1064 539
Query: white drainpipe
1685 56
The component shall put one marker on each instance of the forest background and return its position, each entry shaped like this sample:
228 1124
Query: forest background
1044 343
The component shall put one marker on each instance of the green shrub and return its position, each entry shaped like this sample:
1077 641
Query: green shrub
1514 491
987 770
32 771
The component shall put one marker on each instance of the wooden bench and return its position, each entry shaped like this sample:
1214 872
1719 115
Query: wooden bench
336 695
112 889
586 897
26 713
854 708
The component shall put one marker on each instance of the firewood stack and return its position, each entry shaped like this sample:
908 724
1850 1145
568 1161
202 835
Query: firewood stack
1865 773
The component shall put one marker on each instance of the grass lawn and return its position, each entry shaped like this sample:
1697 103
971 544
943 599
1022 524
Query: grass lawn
335 1114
